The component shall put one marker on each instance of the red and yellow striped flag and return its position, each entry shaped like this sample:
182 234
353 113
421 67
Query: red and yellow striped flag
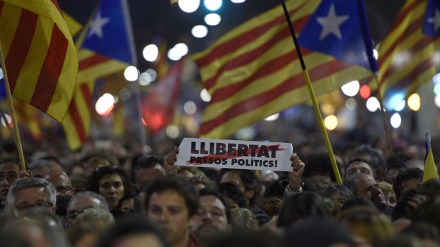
253 71
407 55
39 54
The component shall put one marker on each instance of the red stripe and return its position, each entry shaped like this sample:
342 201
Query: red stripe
402 15
74 111
422 43
91 61
20 46
55 2
242 40
415 26
51 70
258 101
255 54
412 76
1 6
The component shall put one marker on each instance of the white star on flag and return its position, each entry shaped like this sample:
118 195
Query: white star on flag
435 20
97 25
331 23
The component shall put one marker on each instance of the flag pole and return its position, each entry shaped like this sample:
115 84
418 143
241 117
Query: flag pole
12 111
384 119
313 97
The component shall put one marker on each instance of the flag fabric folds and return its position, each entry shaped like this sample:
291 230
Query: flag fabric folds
159 104
39 54
107 48
409 56
253 71
430 170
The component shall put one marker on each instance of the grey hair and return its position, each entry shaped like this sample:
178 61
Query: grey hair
96 216
25 183
101 199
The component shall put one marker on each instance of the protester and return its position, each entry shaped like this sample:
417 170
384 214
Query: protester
171 201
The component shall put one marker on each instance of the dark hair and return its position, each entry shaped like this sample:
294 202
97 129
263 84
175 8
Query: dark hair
319 164
403 176
145 162
357 202
92 183
212 191
12 160
398 160
129 226
123 198
257 238
231 191
375 159
250 181
428 212
403 208
338 188
430 187
179 184
304 205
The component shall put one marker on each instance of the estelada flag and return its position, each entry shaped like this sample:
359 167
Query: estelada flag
40 57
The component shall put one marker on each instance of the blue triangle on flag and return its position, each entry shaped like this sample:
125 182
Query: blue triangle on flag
338 28
110 32
431 23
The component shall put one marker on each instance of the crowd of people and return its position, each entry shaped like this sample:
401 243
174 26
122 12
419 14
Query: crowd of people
104 200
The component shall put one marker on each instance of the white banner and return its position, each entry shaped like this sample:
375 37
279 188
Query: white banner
235 154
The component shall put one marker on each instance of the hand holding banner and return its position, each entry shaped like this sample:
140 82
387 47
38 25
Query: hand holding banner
235 154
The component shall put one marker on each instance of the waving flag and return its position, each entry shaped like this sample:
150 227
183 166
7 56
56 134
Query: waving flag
253 71
107 48
40 57
409 56
430 170
159 104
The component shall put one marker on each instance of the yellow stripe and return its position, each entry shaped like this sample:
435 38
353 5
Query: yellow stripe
9 18
73 25
212 68
28 77
65 86
43 8
109 67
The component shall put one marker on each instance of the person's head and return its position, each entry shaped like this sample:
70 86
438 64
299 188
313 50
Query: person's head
40 168
92 162
258 238
373 157
126 204
26 193
246 180
111 182
388 191
171 201
428 212
147 168
363 185
317 233
407 180
404 207
83 201
319 164
233 195
212 215
200 182
243 219
367 224
395 163
430 188
302 206
338 193
61 182
9 171
356 166
132 231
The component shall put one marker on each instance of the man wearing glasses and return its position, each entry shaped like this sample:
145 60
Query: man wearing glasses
9 172
31 192
81 202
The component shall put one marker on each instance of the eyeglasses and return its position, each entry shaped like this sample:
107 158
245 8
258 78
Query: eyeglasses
27 206
63 189
71 216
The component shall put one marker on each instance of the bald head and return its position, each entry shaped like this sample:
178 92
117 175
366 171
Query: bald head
61 182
